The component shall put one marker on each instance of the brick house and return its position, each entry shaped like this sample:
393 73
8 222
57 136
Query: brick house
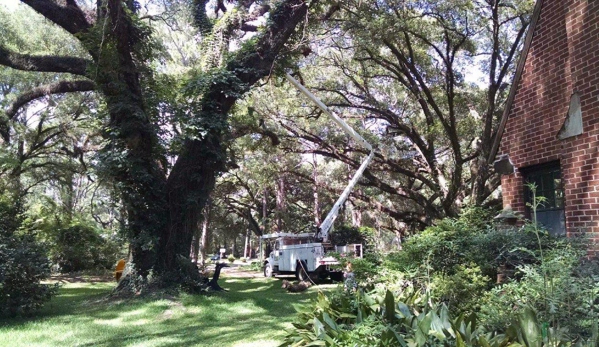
549 132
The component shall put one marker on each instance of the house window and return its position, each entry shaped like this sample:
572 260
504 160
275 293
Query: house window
548 181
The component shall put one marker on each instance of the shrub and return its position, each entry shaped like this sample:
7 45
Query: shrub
441 248
80 246
23 264
231 258
256 266
461 290
380 319
512 248
442 257
452 243
456 262
564 294
366 270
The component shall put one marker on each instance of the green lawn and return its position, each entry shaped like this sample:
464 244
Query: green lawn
255 312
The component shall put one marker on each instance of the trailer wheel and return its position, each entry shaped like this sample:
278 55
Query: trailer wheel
268 270
300 272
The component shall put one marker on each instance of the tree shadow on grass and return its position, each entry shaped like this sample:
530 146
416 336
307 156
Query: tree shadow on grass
66 303
253 310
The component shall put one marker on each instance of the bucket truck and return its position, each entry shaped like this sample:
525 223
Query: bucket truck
305 254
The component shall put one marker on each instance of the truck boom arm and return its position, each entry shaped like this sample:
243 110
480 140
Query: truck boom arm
326 225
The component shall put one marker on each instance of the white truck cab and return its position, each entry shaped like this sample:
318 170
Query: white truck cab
298 254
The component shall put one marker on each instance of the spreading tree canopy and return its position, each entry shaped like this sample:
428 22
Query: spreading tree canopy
426 82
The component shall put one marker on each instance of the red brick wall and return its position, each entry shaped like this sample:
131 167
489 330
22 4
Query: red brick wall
563 58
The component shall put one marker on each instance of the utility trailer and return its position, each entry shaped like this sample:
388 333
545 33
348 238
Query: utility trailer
305 255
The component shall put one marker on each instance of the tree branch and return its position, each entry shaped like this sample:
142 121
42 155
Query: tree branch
54 88
70 17
248 27
331 11
43 63
35 93
243 130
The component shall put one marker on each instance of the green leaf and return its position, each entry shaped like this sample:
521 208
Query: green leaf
460 341
318 327
445 320
389 307
530 328
399 338
330 322
404 310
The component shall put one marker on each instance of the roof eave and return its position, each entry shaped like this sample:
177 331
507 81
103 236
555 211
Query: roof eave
513 89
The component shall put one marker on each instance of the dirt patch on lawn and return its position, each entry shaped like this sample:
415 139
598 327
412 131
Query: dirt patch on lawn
232 270
236 271
70 278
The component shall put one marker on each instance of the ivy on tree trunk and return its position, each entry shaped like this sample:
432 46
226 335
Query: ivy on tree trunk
163 208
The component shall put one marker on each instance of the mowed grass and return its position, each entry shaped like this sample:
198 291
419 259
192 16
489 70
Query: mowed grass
255 312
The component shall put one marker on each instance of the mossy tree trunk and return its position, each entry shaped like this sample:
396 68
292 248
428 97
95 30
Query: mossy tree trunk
163 210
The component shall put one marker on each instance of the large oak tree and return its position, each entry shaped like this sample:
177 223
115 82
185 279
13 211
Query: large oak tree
163 202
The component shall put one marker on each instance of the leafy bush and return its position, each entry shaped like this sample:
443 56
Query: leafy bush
513 248
461 290
74 242
564 293
456 262
380 319
80 246
255 266
10 215
439 248
231 258
366 270
469 241
23 264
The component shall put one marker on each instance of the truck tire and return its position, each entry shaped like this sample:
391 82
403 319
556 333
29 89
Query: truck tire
300 272
268 270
